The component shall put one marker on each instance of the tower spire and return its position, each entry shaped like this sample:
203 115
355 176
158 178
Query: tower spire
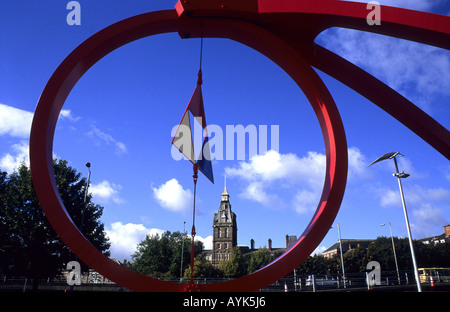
225 195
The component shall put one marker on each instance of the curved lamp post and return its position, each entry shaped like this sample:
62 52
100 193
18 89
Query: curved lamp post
402 175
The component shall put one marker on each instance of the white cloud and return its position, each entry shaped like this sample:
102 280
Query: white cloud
319 250
172 196
357 163
67 114
305 201
418 193
415 195
389 198
207 241
108 139
427 219
302 176
255 191
15 122
272 170
20 154
425 206
275 166
124 238
106 191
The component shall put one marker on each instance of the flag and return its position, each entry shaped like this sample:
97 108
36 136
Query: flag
182 139
204 162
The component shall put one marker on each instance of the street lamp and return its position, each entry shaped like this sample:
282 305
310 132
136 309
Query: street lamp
88 165
342 257
402 175
182 251
393 248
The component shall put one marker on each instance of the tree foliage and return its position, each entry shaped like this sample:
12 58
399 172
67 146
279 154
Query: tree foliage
259 259
236 266
202 269
160 255
154 259
380 250
28 244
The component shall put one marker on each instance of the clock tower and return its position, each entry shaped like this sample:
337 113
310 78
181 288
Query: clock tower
224 230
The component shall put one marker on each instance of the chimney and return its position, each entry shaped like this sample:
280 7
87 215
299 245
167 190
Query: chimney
252 244
270 244
287 241
447 230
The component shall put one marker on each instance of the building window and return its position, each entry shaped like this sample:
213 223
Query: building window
226 246
226 233
219 232
218 246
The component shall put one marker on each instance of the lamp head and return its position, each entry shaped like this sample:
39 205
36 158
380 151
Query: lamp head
386 156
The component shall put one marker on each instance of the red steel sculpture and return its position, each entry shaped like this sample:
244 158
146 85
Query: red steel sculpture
284 31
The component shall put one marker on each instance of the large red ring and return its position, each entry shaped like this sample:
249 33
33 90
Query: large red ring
93 49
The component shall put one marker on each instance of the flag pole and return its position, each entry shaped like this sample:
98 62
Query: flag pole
195 176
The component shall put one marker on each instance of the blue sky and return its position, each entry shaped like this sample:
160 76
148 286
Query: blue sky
120 115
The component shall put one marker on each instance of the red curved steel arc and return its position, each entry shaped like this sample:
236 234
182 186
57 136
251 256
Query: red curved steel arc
283 30
41 141
105 41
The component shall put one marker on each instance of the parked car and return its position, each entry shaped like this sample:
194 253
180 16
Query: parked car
322 280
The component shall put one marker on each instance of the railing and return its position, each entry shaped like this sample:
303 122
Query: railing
333 282
304 283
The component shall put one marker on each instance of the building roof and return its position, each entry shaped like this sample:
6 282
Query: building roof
433 239
349 244
443 238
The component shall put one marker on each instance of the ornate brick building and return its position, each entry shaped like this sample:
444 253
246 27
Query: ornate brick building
224 230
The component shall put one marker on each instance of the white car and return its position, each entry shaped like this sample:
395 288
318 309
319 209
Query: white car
327 280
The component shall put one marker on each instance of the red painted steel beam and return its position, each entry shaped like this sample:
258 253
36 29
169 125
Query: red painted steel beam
384 97
299 22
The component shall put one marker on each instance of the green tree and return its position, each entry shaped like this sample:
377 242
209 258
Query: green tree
202 269
236 266
29 246
356 260
318 264
259 259
160 255
4 235
380 250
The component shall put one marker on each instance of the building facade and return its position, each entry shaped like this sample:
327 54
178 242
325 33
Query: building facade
347 245
224 230
439 239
